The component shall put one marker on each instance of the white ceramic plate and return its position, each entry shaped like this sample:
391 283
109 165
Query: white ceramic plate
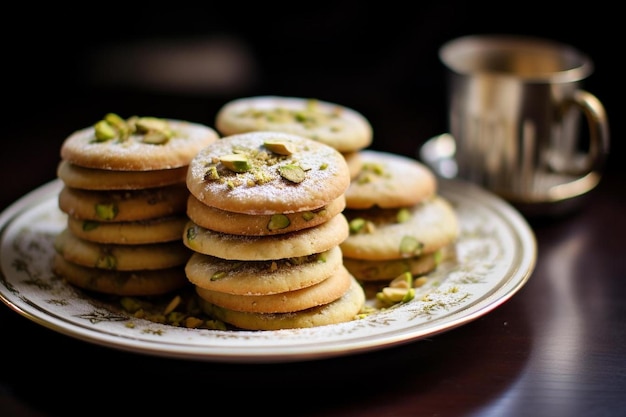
494 257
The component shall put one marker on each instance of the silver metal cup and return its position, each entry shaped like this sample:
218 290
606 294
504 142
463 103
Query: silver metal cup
515 106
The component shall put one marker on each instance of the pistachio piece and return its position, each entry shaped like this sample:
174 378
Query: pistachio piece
171 306
410 246
278 221
211 174
293 173
156 137
106 211
394 295
236 162
404 280
106 261
123 130
218 275
403 215
279 147
146 124
357 224
90 225
308 215
104 131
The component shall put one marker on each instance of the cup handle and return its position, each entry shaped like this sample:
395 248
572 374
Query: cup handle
598 125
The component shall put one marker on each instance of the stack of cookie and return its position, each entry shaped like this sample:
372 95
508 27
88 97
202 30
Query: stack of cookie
341 127
265 227
398 222
125 198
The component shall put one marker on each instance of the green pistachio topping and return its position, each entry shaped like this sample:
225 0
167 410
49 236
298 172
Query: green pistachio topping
236 162
106 211
403 215
293 173
278 221
106 261
279 147
410 246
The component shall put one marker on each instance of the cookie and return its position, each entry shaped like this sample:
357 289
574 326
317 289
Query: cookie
262 277
120 257
122 206
262 248
332 124
160 229
138 150
321 293
260 224
386 270
342 310
267 173
400 233
389 180
122 283
105 179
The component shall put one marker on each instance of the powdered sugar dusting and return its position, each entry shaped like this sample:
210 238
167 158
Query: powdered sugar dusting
262 190
133 154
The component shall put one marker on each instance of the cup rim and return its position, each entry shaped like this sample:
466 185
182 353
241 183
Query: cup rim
452 53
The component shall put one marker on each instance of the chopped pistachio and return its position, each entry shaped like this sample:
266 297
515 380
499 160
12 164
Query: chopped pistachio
123 129
410 246
293 173
236 162
172 305
279 147
394 295
278 221
156 137
191 232
308 215
104 131
404 280
211 173
90 225
357 224
106 261
403 215
146 124
218 275
106 211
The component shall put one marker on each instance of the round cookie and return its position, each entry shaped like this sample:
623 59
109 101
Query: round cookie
338 126
342 310
321 293
260 224
389 180
121 206
135 153
425 228
123 283
262 248
120 257
267 173
261 277
365 270
161 229
104 179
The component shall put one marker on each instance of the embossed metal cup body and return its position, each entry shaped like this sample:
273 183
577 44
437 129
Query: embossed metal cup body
517 111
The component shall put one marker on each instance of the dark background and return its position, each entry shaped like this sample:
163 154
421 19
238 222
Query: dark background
64 68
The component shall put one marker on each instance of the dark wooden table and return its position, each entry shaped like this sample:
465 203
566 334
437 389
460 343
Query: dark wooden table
556 348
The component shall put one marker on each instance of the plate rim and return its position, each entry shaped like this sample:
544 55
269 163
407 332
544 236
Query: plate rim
521 230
